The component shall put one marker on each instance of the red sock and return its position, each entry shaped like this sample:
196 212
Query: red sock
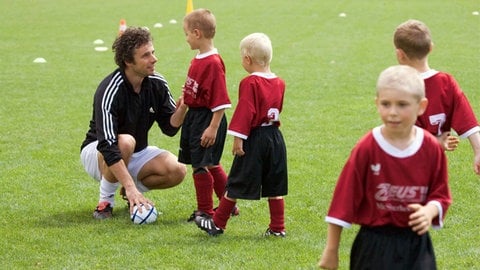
222 214
204 190
277 219
219 180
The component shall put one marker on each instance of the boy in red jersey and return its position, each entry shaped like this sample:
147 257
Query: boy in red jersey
394 184
259 168
448 107
205 126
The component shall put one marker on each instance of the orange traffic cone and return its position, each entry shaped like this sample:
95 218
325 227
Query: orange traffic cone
122 27
189 6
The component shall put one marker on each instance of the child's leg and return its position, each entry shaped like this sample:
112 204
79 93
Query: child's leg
277 218
203 182
219 180
221 216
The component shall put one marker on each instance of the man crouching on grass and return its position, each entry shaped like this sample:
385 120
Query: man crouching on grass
125 106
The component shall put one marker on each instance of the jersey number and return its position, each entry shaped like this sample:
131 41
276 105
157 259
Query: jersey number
438 119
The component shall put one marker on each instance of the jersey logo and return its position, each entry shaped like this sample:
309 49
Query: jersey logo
392 193
438 119
375 168
151 110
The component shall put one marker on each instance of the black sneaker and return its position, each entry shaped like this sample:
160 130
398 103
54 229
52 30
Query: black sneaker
269 232
207 224
197 213
103 211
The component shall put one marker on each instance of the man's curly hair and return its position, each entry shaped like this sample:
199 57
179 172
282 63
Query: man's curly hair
124 45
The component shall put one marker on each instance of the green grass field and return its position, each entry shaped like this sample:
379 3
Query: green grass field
330 64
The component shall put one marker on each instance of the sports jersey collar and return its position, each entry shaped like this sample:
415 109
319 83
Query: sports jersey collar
427 74
392 150
128 85
203 55
264 75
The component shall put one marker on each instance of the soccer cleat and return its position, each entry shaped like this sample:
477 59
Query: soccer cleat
197 213
103 211
269 232
207 224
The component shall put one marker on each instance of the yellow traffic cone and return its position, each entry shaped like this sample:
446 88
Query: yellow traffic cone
189 6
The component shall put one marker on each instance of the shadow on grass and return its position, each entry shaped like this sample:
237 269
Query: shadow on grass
75 217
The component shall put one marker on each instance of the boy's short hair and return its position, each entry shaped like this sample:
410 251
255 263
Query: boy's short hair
124 45
203 20
402 78
258 47
413 37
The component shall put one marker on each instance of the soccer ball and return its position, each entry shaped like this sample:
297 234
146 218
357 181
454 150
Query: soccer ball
146 216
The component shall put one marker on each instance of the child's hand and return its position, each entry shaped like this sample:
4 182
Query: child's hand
421 218
329 260
238 147
448 142
208 137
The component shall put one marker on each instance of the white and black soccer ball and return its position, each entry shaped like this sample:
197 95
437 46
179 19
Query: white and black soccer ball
146 216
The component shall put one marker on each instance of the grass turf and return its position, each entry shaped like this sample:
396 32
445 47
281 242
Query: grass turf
330 64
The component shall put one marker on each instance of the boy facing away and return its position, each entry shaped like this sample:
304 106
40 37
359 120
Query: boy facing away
394 184
259 168
205 125
448 107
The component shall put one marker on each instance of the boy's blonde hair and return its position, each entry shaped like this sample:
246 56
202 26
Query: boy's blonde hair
258 47
203 20
413 37
402 78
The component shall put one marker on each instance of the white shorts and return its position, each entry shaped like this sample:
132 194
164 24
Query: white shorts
89 159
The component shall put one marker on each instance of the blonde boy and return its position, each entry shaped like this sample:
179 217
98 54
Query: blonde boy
394 184
259 168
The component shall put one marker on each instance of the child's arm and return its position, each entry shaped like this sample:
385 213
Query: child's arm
422 216
176 120
448 142
210 133
329 258
238 147
475 143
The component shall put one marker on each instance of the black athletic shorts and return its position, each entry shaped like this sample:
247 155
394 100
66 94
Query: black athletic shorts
392 248
191 152
262 171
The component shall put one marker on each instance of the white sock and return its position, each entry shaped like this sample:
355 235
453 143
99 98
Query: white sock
107 191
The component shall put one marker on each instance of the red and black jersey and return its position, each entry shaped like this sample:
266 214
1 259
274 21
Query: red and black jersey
117 109
379 181
260 103
448 107
205 86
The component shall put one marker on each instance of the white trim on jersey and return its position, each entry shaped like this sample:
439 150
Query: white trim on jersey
207 54
392 150
265 75
224 106
162 79
107 99
470 132
338 222
427 74
236 134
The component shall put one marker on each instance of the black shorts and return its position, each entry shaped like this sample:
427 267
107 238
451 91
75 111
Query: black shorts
191 152
262 171
392 248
